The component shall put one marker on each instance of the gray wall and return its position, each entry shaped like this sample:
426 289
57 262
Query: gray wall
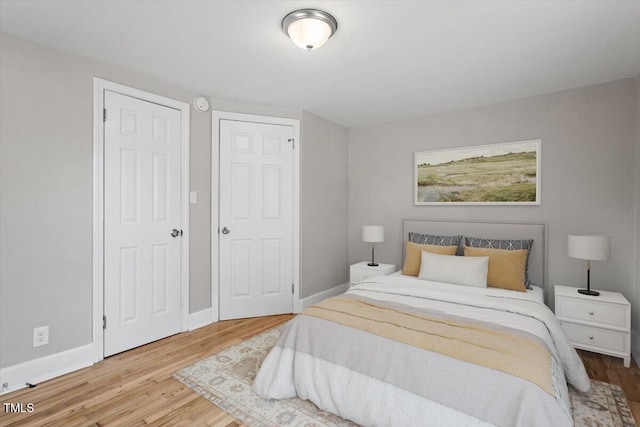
636 303
46 194
588 175
324 207
46 187
589 164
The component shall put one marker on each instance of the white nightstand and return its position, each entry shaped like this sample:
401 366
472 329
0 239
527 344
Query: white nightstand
601 324
361 271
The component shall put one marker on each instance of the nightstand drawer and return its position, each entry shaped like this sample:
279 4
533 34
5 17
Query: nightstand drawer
362 271
601 324
595 337
360 274
596 311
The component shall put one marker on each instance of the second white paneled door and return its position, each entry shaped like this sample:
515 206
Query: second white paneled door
256 219
142 221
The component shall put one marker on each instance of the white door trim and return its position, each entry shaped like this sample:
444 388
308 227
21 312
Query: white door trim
216 116
99 86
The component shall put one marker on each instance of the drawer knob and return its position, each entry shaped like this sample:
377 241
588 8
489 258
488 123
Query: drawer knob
591 313
591 338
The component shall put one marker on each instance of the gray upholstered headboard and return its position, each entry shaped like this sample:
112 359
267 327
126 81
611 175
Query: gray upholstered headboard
491 230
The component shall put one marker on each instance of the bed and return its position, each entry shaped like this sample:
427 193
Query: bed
405 350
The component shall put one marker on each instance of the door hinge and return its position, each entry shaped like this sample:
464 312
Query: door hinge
292 288
104 114
293 143
104 322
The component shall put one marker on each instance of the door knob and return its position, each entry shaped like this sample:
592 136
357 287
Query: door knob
225 230
175 232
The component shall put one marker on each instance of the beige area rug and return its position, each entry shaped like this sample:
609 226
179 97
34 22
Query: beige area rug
226 378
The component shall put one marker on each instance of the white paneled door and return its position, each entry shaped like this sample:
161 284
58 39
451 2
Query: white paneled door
256 219
142 218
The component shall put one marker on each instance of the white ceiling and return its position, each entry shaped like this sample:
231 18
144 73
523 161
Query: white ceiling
389 60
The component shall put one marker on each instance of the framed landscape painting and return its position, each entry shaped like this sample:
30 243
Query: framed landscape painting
496 174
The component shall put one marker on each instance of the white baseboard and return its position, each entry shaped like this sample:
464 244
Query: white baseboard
51 366
47 367
635 347
320 296
199 319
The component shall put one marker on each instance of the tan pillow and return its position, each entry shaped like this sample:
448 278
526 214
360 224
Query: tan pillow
413 254
506 267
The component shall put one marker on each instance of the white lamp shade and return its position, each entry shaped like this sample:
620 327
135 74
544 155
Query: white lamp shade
373 233
593 248
309 33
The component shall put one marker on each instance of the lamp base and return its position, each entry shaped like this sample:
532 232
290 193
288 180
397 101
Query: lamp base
373 264
589 292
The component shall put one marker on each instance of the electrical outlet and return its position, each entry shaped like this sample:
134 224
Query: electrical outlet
40 336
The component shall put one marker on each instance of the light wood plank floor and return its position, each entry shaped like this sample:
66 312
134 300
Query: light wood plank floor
136 388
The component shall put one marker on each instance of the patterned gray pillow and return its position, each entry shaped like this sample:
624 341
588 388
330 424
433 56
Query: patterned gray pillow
429 239
511 245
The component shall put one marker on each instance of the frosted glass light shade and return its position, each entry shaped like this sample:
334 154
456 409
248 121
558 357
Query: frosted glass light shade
593 248
373 233
309 28
309 33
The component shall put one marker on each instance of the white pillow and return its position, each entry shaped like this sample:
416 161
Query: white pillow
459 270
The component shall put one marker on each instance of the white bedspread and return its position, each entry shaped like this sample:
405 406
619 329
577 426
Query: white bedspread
287 372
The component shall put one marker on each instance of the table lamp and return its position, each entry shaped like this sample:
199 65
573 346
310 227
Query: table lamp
591 248
373 234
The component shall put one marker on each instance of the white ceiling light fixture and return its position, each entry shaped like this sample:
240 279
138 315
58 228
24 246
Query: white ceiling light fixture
309 28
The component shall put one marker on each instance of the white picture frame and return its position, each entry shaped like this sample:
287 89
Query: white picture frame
494 174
